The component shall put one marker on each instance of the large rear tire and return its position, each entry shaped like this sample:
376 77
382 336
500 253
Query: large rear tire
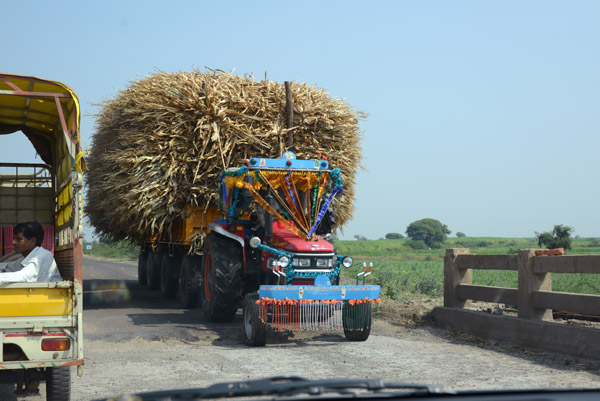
168 275
58 384
142 260
221 278
189 281
356 320
254 330
153 270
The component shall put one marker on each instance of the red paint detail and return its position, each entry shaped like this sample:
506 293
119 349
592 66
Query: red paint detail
35 335
288 163
77 260
288 241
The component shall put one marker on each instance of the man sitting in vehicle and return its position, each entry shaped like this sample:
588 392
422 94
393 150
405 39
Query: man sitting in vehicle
38 264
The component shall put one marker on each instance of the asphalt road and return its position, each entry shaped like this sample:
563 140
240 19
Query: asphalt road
136 341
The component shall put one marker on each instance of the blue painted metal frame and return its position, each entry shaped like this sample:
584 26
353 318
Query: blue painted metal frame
317 293
288 157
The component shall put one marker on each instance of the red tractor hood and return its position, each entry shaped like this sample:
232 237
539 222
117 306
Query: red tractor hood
284 239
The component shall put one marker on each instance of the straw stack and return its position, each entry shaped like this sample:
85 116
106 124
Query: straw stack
163 142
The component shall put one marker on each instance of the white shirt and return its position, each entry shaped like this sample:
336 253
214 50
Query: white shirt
38 266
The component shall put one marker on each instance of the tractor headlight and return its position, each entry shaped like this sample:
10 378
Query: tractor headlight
283 261
323 262
347 261
302 262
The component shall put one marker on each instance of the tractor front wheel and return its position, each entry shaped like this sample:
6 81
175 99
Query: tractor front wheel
254 330
356 320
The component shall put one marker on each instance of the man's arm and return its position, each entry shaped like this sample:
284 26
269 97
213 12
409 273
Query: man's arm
27 274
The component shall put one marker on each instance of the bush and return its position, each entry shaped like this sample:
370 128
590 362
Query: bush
560 237
429 286
416 244
431 231
394 236
460 234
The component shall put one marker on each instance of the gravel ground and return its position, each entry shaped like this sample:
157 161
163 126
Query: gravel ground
413 354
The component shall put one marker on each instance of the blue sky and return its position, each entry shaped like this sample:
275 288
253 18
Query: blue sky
483 115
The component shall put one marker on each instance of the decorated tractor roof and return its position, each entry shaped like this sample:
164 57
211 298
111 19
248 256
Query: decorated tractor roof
301 190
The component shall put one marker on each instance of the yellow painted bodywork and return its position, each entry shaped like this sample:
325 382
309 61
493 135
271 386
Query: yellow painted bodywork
196 220
21 302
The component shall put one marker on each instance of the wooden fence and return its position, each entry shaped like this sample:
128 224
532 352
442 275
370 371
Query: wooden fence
533 298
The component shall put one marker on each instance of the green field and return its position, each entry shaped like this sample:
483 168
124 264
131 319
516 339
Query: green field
405 273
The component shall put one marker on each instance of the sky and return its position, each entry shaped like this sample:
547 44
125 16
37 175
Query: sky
483 115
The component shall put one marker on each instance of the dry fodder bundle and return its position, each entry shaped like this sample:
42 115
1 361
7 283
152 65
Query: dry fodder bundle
162 144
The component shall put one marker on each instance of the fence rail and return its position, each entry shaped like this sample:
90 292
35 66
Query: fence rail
534 296
534 299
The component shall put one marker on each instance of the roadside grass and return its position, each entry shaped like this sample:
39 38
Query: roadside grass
120 250
404 273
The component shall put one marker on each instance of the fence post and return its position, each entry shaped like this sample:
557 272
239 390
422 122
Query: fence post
453 276
530 282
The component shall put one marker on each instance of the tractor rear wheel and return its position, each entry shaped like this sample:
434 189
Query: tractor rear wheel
221 278
142 260
189 280
356 320
254 330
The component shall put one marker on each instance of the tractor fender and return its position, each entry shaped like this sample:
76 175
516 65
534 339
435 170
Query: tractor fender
220 230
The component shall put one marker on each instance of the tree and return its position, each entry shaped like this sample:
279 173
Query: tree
430 231
461 234
360 237
560 237
394 236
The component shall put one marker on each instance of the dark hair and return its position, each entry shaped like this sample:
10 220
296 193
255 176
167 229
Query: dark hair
29 230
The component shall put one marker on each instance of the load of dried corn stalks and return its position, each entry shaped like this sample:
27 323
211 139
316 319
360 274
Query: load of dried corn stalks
162 143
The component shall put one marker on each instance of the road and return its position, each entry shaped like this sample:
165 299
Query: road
135 341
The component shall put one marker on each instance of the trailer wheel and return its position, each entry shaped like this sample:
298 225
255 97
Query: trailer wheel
254 330
221 278
142 260
168 283
189 281
153 270
356 320
58 384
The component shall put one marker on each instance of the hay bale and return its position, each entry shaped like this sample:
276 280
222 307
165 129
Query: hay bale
163 142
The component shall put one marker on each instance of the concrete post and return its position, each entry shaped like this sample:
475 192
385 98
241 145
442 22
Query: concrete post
453 277
530 282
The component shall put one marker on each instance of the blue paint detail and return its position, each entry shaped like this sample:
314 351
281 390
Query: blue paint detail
323 281
316 293
295 164
292 274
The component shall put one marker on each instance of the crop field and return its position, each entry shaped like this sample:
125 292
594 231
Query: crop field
403 272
